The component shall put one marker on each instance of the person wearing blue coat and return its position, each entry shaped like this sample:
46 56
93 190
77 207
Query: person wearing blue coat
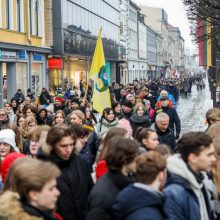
164 92
143 200
186 194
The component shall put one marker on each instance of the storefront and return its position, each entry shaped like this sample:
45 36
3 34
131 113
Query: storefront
21 69
66 73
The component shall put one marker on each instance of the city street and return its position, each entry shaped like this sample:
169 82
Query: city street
192 109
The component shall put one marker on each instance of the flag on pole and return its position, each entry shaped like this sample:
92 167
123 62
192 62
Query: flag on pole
101 95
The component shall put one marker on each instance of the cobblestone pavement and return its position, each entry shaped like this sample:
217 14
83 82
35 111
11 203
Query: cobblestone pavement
192 109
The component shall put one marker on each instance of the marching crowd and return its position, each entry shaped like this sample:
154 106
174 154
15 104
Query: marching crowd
59 159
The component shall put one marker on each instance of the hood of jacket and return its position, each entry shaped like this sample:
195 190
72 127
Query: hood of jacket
176 165
133 198
11 208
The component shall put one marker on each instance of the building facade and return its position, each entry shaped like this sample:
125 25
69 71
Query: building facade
23 48
157 19
178 57
76 25
124 38
142 47
152 52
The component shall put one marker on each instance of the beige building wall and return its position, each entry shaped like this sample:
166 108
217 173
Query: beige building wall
48 23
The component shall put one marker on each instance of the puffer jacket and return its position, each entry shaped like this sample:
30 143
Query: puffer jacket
185 196
137 203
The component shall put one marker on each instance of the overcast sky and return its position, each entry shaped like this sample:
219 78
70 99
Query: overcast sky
176 16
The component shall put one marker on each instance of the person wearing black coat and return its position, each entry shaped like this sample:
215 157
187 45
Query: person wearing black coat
120 156
19 96
44 98
139 118
173 116
164 133
174 91
75 181
42 118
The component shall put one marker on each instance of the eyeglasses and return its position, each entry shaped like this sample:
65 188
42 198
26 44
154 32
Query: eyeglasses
2 114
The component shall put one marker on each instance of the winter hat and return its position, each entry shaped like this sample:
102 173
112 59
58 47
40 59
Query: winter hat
76 101
58 99
8 136
128 104
7 162
147 102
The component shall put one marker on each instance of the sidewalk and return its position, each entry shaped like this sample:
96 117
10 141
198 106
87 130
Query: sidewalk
192 110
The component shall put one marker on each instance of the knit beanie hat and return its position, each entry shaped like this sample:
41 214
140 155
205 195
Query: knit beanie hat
8 136
59 99
7 162
128 104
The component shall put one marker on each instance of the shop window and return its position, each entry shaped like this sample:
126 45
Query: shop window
21 77
36 78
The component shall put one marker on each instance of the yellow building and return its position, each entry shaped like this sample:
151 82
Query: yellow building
23 49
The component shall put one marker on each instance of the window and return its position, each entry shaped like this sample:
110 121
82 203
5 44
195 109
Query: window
7 12
30 16
37 17
18 15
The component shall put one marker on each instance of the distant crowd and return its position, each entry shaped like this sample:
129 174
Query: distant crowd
60 159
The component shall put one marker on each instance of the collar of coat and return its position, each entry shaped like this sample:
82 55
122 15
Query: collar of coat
11 208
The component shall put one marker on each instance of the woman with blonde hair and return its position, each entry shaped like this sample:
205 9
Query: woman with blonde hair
37 137
212 116
28 123
77 117
140 118
32 199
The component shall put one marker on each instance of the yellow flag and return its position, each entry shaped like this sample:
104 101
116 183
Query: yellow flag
101 96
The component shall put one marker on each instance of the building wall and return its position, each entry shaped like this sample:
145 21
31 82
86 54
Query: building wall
11 34
142 37
158 18
48 23
133 33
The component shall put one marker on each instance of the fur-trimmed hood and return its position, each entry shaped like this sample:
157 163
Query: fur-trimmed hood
11 209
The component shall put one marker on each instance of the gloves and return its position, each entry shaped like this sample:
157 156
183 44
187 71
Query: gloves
177 136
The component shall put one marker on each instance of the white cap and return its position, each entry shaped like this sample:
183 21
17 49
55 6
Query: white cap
8 136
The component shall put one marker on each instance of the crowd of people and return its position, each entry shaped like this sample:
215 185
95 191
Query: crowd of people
59 159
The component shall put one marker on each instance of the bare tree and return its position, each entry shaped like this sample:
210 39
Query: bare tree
203 9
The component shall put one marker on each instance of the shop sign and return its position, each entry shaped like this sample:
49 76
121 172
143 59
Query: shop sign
22 54
9 54
37 57
55 63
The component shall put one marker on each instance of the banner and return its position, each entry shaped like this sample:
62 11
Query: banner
98 73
